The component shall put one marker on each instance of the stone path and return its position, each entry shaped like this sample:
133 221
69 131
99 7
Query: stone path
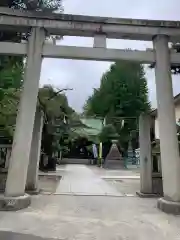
81 180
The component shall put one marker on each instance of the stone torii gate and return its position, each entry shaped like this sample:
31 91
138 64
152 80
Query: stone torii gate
159 32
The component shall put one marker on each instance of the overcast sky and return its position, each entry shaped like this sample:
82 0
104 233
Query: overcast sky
83 76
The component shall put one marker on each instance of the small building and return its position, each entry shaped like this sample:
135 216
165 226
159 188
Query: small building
92 128
155 138
155 130
154 115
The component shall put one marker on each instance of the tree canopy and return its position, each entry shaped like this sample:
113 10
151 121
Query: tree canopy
12 67
121 98
39 5
11 74
123 92
108 133
57 112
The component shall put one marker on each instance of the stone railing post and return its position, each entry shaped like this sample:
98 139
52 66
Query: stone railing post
145 156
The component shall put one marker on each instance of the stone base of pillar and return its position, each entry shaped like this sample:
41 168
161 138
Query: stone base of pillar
33 191
147 195
168 206
14 203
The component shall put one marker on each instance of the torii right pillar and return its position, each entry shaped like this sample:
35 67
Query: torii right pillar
170 159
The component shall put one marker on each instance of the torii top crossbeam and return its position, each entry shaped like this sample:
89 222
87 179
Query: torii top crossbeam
78 25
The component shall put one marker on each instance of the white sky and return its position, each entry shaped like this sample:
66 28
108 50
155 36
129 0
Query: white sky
83 76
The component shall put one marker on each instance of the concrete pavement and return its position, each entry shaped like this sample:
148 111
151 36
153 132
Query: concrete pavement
82 180
76 217
92 218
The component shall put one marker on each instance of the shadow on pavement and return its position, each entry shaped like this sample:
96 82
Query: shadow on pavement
20 236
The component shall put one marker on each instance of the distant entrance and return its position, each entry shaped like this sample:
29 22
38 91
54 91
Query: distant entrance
80 148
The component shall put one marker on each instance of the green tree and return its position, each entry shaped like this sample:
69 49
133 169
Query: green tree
123 92
11 74
121 97
108 133
58 117
33 4
12 67
8 111
54 103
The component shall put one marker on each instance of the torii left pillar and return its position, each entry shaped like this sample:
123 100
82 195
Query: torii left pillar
15 197
33 168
